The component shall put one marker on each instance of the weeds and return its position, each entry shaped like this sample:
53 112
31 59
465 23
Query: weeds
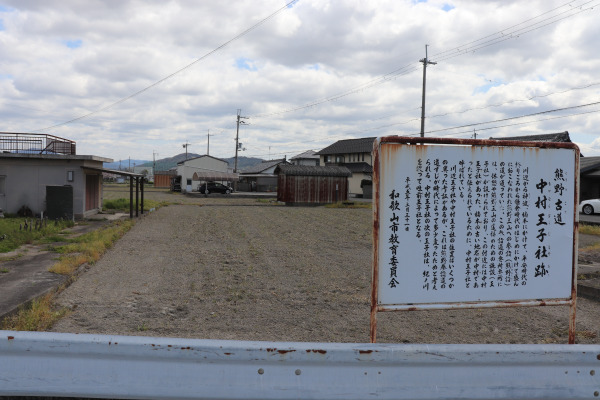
88 248
348 204
14 234
38 317
589 229
123 204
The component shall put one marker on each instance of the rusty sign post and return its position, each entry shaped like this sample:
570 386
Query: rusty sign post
463 223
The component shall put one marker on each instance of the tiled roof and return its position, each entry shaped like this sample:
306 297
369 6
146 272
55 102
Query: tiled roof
588 163
362 145
260 167
309 170
359 167
310 154
562 137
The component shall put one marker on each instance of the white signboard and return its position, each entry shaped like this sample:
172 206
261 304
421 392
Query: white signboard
474 223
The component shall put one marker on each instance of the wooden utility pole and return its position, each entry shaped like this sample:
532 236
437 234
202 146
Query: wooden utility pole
186 146
425 61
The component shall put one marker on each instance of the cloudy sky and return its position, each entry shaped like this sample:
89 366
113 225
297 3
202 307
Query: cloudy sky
126 78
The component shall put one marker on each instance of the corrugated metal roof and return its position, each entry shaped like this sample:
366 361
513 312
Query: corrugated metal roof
309 170
562 137
362 145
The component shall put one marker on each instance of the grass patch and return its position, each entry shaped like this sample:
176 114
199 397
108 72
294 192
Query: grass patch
88 248
4 270
14 235
589 229
349 204
39 316
122 204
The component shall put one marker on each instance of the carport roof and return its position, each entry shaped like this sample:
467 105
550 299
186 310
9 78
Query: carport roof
215 176
113 171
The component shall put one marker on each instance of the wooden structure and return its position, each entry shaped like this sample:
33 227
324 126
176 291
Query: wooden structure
311 185
162 179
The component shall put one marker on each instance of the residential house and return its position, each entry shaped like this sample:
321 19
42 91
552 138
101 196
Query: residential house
589 178
196 170
260 177
561 137
354 154
309 158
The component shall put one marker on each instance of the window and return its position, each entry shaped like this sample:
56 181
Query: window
2 188
70 176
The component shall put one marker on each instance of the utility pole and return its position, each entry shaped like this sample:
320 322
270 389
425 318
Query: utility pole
474 134
154 154
186 146
208 135
425 61
237 145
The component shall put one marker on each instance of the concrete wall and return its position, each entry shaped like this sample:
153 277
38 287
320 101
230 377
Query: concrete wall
25 181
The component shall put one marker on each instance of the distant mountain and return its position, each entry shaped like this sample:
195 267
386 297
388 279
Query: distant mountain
124 164
243 162
165 164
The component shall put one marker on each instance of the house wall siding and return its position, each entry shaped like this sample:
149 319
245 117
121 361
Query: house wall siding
311 189
26 180
201 164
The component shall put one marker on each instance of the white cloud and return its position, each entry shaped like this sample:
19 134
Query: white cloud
62 60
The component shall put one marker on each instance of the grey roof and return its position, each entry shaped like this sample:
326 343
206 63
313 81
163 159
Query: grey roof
358 167
562 137
260 167
205 155
309 154
588 163
362 145
310 170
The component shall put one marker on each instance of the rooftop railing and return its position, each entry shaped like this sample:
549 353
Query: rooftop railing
35 143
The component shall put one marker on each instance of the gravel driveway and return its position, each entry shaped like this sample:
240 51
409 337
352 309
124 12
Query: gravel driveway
252 271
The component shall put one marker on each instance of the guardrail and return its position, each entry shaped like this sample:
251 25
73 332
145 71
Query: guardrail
70 365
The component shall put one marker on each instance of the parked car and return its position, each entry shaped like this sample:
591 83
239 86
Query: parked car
214 187
176 184
589 207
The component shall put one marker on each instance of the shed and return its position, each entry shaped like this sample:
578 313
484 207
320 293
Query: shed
312 185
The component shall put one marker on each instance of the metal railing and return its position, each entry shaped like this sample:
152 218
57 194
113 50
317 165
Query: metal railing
35 143
70 365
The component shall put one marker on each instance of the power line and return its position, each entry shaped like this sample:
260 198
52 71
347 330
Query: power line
445 55
512 118
139 92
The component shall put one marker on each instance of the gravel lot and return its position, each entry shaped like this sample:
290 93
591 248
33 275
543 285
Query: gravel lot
222 268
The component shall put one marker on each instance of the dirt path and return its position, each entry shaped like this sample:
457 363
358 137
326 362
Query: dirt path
274 273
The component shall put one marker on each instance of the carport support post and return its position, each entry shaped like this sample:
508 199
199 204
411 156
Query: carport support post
142 190
137 194
130 196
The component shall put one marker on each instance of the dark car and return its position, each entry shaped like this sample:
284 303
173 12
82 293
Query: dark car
214 187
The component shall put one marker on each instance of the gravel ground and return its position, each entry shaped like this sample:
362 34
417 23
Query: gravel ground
243 270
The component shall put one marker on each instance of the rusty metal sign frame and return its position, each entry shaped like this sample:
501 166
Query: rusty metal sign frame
420 141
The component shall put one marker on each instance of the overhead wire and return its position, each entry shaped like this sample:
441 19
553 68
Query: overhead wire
139 92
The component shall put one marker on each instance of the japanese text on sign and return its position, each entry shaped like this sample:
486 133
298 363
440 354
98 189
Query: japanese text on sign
480 223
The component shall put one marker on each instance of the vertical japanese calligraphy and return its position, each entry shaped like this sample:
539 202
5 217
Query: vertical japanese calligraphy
475 223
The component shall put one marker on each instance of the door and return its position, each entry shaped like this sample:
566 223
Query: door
92 192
